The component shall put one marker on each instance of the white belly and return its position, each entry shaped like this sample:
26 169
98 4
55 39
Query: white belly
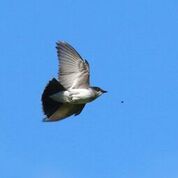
74 96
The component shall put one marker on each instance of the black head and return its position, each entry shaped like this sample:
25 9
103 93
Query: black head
99 90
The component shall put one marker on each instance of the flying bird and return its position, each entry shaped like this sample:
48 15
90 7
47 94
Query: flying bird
69 94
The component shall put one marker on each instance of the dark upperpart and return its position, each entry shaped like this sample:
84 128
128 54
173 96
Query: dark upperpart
99 89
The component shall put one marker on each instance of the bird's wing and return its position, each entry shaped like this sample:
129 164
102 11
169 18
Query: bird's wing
79 109
73 70
65 111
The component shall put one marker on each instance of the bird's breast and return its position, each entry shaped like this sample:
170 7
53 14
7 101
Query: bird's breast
81 96
74 96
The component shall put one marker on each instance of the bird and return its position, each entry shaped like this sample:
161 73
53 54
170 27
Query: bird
68 95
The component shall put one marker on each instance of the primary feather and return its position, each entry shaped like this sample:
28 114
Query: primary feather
73 70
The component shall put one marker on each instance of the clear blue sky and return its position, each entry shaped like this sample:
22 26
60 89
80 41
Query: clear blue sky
132 47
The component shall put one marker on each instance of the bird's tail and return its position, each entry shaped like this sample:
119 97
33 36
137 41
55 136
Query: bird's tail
48 104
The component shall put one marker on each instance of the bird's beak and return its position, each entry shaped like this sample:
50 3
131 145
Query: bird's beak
104 91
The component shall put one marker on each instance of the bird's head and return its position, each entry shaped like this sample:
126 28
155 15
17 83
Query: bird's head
99 91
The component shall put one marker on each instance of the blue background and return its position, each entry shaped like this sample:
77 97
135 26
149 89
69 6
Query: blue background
132 47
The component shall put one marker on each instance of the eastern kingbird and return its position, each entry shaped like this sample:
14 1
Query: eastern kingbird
68 95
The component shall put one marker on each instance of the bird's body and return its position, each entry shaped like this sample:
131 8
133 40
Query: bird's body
69 94
75 96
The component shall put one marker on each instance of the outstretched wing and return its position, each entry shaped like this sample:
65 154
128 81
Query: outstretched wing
65 111
73 70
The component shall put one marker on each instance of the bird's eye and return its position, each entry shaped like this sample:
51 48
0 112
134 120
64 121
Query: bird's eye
97 89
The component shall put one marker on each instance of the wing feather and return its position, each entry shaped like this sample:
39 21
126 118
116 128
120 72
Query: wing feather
73 70
65 111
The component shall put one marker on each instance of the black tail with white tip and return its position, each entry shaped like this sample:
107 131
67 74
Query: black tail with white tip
49 105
